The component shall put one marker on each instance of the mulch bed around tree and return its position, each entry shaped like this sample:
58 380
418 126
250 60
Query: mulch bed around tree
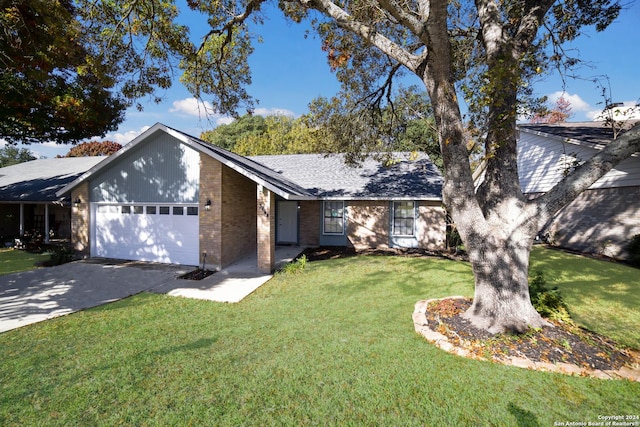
562 343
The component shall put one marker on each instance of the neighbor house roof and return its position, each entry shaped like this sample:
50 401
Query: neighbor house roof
309 177
595 134
39 180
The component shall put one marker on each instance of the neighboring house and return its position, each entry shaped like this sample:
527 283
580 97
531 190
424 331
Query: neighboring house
604 218
28 201
169 197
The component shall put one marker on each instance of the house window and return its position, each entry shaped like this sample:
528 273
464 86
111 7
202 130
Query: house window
404 216
138 209
126 209
164 210
107 209
333 218
151 210
178 210
192 210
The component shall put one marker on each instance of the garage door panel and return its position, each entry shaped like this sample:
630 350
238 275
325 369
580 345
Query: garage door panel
146 237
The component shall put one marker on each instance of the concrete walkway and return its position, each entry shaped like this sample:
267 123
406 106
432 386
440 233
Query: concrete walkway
231 284
45 293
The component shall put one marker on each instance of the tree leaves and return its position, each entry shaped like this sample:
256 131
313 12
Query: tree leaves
51 87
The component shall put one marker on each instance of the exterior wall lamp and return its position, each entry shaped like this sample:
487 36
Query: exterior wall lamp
207 206
77 202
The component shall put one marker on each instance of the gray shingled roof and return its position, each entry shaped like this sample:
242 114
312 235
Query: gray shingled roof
329 176
39 180
321 176
248 165
596 133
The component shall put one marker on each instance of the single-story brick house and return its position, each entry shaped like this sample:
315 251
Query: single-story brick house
170 197
28 200
601 220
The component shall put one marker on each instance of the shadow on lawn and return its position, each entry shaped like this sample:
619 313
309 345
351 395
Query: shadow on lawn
438 275
523 417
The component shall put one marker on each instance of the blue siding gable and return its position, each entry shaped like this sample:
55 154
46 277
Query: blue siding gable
162 170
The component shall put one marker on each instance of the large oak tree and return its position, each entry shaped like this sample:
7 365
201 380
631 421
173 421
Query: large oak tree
486 51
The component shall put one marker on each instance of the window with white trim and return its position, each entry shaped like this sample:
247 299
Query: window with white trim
333 217
404 218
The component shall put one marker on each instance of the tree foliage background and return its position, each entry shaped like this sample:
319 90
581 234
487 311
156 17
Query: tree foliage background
94 148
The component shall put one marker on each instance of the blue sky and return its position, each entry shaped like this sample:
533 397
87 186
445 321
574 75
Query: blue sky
289 70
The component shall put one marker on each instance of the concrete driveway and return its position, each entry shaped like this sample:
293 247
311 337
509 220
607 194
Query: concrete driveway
45 293
36 295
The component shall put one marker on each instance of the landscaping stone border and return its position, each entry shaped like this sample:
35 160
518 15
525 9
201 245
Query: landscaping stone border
422 327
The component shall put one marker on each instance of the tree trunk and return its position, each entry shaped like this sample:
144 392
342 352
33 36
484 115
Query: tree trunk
501 301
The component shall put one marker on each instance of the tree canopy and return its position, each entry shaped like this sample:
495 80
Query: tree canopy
94 148
53 87
11 155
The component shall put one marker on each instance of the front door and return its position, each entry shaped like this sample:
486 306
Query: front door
287 213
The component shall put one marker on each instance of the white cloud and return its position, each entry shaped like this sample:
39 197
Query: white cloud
224 120
193 107
577 103
126 137
274 112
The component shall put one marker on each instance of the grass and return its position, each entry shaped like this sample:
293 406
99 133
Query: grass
602 296
15 261
331 345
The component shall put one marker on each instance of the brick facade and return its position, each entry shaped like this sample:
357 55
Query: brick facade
368 224
211 220
80 220
309 223
266 220
431 227
599 221
239 233
228 229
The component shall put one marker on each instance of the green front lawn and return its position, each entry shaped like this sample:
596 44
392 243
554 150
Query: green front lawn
14 261
332 345
602 296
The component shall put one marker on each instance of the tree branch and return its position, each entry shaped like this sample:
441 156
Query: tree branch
228 27
404 18
530 23
346 21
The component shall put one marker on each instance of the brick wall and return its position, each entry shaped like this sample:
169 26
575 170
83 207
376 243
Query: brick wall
599 221
238 216
266 227
211 221
310 223
368 224
80 217
431 227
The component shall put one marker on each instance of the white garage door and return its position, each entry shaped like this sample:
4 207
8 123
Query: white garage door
158 233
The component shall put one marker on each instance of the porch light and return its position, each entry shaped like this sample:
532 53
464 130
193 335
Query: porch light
207 206
77 202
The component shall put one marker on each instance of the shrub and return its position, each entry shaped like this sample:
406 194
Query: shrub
634 250
548 302
296 266
61 255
